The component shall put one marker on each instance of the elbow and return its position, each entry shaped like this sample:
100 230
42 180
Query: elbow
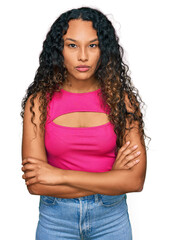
31 189
139 186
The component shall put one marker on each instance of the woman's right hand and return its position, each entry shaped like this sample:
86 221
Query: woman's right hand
126 157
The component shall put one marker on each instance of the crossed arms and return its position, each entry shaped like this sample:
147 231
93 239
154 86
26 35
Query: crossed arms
69 183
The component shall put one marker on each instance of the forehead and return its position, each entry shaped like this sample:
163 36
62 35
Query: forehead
80 30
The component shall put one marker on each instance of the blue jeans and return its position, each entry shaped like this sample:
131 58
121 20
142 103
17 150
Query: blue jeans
98 216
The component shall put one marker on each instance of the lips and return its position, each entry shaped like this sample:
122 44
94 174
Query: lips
82 68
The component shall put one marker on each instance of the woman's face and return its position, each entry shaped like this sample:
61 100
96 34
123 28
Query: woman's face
81 48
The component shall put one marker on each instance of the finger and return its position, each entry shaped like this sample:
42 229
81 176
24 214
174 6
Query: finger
29 160
131 157
127 152
28 175
122 149
28 166
132 163
31 181
130 150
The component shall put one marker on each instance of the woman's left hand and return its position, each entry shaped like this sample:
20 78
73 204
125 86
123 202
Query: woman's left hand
39 171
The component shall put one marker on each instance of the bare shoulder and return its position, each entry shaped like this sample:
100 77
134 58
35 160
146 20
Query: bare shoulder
35 105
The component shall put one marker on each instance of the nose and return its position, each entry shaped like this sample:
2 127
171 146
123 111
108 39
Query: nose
82 54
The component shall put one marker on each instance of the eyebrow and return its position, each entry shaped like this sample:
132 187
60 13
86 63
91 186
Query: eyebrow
76 40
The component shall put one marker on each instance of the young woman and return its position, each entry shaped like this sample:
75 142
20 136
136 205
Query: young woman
83 132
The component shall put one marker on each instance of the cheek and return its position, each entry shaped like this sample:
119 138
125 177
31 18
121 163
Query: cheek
97 56
68 59
96 59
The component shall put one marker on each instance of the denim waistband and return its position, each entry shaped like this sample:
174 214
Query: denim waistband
89 197
96 197
92 198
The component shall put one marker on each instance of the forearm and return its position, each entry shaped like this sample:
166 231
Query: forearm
57 190
114 182
60 191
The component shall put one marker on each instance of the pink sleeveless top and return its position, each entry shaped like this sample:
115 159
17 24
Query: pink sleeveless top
90 149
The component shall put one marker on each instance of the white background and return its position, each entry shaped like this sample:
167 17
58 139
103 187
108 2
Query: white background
147 34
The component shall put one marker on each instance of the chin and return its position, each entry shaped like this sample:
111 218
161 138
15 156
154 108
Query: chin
82 76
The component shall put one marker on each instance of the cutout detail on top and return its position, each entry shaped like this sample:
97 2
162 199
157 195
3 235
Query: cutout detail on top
82 119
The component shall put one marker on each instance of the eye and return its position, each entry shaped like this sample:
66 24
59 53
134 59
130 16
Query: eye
95 45
71 44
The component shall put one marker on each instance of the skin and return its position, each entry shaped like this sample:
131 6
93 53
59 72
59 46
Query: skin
81 48
126 175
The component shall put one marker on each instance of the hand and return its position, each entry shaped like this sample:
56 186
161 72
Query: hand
125 157
39 171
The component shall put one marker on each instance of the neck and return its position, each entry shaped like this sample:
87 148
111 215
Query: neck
80 86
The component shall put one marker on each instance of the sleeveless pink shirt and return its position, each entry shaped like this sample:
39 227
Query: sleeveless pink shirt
90 149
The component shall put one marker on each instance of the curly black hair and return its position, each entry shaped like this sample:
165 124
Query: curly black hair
112 73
